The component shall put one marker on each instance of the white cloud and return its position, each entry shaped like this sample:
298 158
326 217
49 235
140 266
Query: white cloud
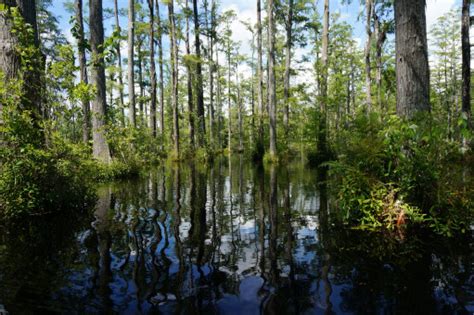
437 8
240 33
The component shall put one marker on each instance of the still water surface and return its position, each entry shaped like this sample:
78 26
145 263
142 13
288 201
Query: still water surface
231 239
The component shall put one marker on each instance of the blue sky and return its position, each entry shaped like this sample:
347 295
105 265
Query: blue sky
246 9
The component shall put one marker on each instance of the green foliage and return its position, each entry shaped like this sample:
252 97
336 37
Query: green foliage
394 172
35 180
270 158
133 146
30 56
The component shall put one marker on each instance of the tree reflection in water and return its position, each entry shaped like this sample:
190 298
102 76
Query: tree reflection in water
231 238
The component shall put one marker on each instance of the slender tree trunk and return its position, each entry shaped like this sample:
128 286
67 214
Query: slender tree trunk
381 37
239 104
199 81
140 81
219 101
174 76
229 98
100 146
286 89
322 141
348 97
119 61
353 86
260 77
271 78
413 84
252 96
160 61
466 61
369 7
212 30
151 6
81 48
131 55
111 89
190 84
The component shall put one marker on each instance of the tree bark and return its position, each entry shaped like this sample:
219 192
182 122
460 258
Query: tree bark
271 78
381 35
211 39
218 101
239 104
151 7
160 61
412 70
260 103
466 61
100 146
174 76
141 85
190 84
10 60
229 99
369 7
199 80
81 48
252 95
119 62
286 89
322 135
131 77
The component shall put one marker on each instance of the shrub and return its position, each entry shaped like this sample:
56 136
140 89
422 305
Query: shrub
391 171
35 180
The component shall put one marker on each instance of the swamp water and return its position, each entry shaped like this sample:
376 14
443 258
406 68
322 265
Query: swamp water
229 239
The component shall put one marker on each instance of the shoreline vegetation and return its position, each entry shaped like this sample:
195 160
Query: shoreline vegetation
395 141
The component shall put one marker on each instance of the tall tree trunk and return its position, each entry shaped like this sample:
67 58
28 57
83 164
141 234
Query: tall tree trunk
369 7
271 78
219 101
466 61
100 146
81 48
140 81
131 74
413 84
10 60
229 99
260 78
212 31
239 104
190 84
348 97
119 61
174 76
381 35
322 135
252 96
151 6
160 61
199 81
286 89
